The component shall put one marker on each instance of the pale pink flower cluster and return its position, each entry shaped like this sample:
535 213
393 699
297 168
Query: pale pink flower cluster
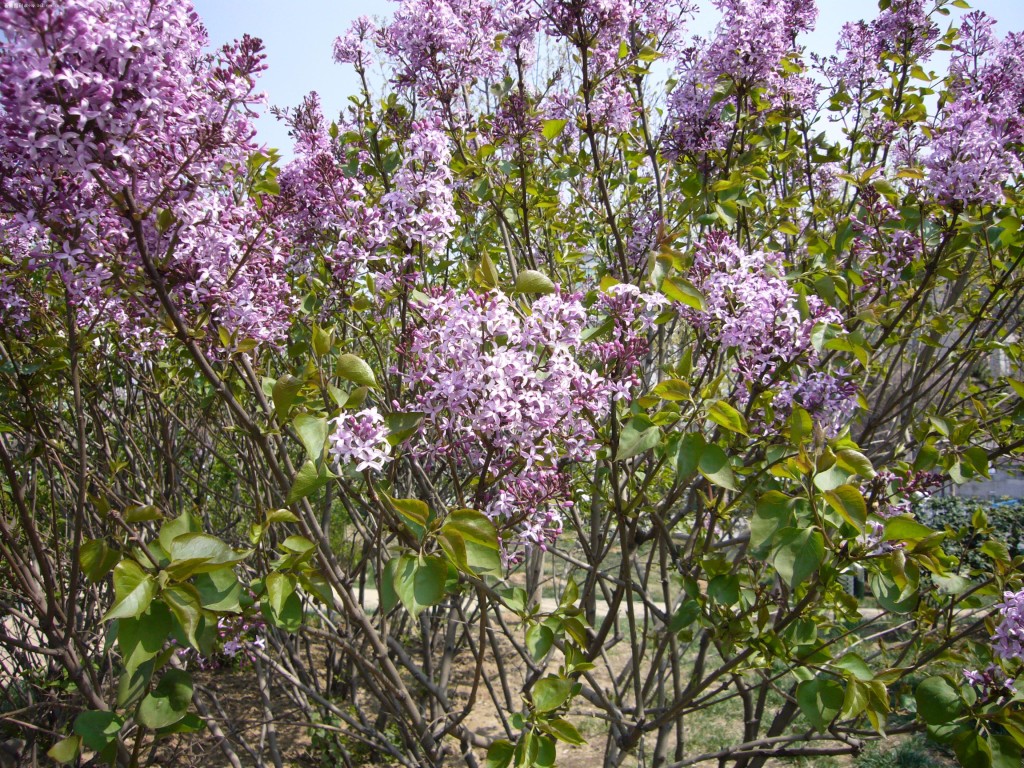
361 439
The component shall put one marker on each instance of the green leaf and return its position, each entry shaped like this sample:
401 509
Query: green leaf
142 514
179 526
855 463
414 513
691 446
728 417
849 503
799 552
96 559
483 551
563 730
715 467
904 528
499 754
674 390
286 389
183 602
532 281
281 516
312 431
938 701
308 480
169 701
98 729
688 613
539 640
65 750
133 591
820 700
772 513
356 370
219 590
972 751
552 128
283 606
402 426
139 640
420 582
550 693
890 595
193 553
678 289
637 437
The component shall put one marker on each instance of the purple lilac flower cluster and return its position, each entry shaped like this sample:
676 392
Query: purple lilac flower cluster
361 439
892 495
632 314
320 205
353 47
237 636
992 680
1008 639
747 49
829 397
750 307
506 397
112 119
420 207
974 150
441 46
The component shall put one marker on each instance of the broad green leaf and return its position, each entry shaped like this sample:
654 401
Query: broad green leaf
308 480
143 514
890 595
281 516
938 701
179 526
355 369
499 754
849 503
139 640
563 730
691 446
183 602
552 128
420 582
673 390
904 528
550 693
133 591
772 513
98 729
414 513
678 289
169 701
282 605
483 551
65 750
219 590
714 465
532 281
97 559
386 586
637 437
799 552
286 389
820 700
539 640
402 426
855 463
193 553
728 417
312 431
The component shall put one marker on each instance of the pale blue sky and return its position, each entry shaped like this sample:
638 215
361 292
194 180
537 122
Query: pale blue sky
299 36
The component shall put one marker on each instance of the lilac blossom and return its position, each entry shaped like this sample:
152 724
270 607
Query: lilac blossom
111 112
505 396
352 47
361 439
1008 639
829 398
751 308
992 681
